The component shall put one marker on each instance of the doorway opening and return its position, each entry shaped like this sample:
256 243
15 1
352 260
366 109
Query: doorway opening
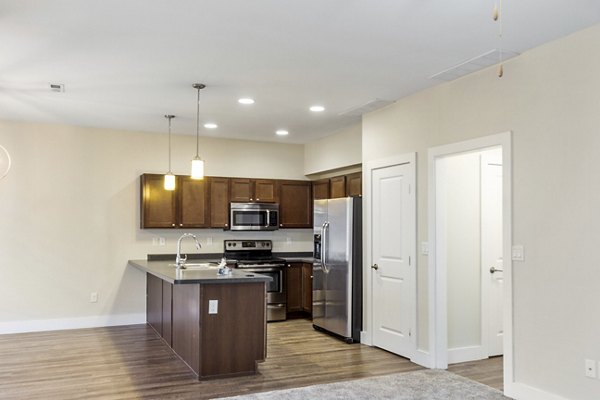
469 260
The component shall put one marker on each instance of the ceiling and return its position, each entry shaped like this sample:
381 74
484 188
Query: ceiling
125 64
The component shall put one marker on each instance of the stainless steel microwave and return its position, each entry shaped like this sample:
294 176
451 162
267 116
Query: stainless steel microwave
254 216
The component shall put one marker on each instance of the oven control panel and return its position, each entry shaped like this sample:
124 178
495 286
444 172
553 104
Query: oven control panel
247 245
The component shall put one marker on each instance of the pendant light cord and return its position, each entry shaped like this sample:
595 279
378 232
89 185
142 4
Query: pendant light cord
198 124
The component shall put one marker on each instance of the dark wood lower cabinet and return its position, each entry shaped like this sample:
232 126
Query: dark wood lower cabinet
299 287
228 343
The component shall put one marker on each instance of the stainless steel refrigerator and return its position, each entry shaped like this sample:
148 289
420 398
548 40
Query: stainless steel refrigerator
337 271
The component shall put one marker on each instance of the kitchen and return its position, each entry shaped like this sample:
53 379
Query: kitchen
70 204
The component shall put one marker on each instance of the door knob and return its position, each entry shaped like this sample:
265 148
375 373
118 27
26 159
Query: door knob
375 267
494 269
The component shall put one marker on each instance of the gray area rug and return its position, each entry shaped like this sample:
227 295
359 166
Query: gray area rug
418 385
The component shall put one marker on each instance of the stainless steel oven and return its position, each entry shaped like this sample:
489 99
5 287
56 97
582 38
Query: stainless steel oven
255 256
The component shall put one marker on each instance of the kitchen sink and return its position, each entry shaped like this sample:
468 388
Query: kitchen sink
198 266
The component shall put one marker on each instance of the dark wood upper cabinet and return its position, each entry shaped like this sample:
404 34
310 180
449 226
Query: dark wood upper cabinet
320 189
185 207
265 190
354 184
193 203
219 202
295 206
159 206
337 187
253 190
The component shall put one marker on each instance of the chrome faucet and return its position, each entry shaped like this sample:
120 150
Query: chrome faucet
180 261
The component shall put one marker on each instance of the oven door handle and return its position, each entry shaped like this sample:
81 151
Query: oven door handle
262 267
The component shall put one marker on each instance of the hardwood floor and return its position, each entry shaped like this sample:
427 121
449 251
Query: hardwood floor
132 362
489 372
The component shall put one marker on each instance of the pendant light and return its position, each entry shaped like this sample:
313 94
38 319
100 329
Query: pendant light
197 162
169 177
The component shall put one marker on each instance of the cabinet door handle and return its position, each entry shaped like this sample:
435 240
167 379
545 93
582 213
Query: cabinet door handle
251 199
173 225
180 225
226 224
257 199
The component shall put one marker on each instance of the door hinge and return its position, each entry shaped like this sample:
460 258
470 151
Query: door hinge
409 261
409 333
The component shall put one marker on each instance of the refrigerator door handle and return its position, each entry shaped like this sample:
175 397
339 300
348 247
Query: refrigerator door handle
325 246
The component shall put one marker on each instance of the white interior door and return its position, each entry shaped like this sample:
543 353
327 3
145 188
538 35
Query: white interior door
491 248
392 261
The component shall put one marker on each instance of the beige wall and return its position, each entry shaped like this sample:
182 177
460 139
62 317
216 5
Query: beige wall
69 217
550 99
339 150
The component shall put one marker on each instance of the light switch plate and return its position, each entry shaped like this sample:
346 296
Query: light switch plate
518 253
209 241
213 306
425 248
161 241
590 368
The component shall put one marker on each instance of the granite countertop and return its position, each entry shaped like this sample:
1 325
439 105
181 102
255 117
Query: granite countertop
169 273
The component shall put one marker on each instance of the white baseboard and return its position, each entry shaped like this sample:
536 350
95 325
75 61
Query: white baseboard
464 354
520 391
423 358
71 323
365 338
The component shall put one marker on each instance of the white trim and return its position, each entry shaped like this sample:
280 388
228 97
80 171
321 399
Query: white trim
408 158
57 324
422 358
438 327
522 391
464 354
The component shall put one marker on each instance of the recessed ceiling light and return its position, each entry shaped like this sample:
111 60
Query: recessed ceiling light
317 108
246 100
281 132
211 125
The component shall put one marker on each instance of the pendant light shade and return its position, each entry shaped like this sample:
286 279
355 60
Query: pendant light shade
197 168
169 177
197 162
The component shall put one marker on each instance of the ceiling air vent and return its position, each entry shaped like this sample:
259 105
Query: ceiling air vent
57 87
366 108
482 61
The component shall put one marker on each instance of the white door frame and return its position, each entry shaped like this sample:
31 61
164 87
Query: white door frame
438 321
409 158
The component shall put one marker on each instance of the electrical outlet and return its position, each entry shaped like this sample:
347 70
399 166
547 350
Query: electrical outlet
94 297
161 241
209 241
213 306
288 240
154 241
590 368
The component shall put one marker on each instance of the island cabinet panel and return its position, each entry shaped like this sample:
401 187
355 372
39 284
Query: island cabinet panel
219 202
186 324
295 207
154 308
233 339
159 206
354 184
229 342
193 203
167 312
321 189
337 187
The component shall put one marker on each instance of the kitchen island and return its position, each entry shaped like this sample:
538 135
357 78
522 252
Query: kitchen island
215 323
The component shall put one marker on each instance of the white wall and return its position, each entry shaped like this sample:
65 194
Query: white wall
69 217
550 99
339 150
